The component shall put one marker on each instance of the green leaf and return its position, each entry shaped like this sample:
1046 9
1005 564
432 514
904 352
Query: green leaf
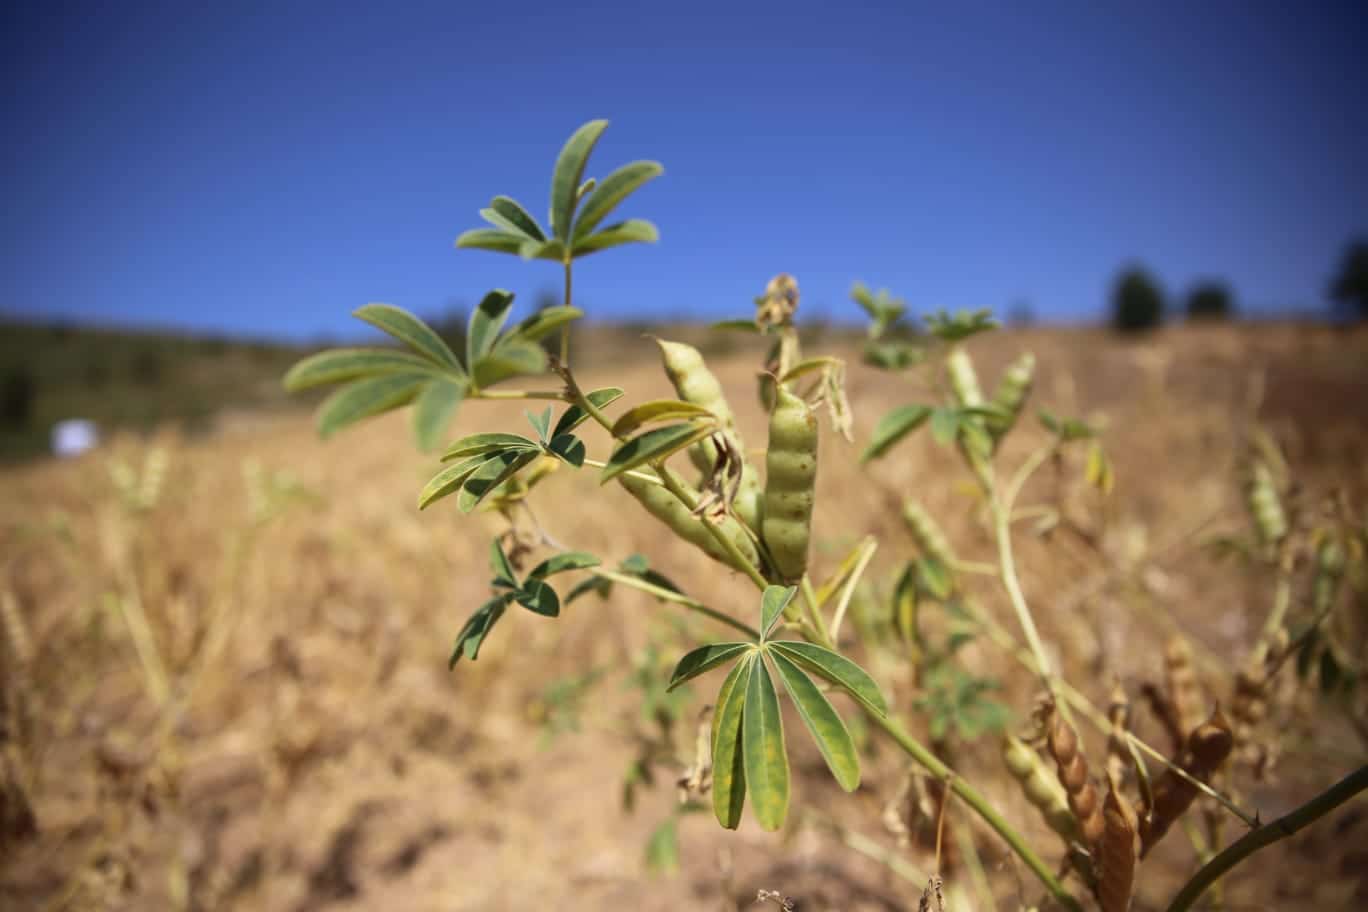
657 410
476 444
653 445
762 745
432 413
410 330
542 250
539 598
569 448
516 218
729 770
340 364
945 424
662 848
837 669
489 476
613 190
364 398
540 423
485 322
569 171
936 579
1066 429
449 480
473 634
893 427
772 604
510 358
705 658
560 563
960 326
575 416
632 231
825 726
893 355
749 326
501 566
491 239
544 322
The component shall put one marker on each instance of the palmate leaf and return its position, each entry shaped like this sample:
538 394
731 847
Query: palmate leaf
632 231
569 172
653 445
338 364
729 771
766 758
825 726
433 410
449 480
485 322
835 668
575 416
611 191
705 658
412 331
493 239
512 212
364 398
772 604
488 442
494 472
893 427
657 410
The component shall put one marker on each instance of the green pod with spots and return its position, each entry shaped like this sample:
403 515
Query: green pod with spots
667 508
927 533
1011 394
1265 506
790 479
963 380
694 383
1039 786
1329 571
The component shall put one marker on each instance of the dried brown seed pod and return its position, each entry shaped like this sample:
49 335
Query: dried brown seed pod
1207 748
1072 768
779 303
1118 746
1117 854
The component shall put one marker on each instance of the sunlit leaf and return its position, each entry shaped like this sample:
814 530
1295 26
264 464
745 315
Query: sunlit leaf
766 759
653 445
662 848
632 231
705 658
729 770
340 364
544 322
539 598
433 410
489 476
893 355
657 410
569 448
825 726
475 444
473 633
893 427
560 563
611 191
772 604
510 358
962 325
364 398
552 250
410 330
575 416
485 322
837 669
449 480
541 422
491 239
501 566
945 424
809 366
569 172
516 218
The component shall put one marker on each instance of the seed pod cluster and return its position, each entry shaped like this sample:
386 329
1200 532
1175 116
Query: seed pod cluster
1117 853
667 508
1261 496
694 383
790 477
1011 394
1249 707
1040 788
1207 748
1072 768
927 533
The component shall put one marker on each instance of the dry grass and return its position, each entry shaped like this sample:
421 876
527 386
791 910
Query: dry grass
237 701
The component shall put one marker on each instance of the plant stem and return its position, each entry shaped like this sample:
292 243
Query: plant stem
553 395
1266 835
639 476
678 598
673 485
933 765
1001 513
565 329
815 614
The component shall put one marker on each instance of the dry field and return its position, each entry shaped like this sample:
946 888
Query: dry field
235 695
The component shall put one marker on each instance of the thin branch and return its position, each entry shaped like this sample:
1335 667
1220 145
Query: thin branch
679 598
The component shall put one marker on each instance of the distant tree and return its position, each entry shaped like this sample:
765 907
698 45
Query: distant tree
1137 303
1209 301
1350 287
18 391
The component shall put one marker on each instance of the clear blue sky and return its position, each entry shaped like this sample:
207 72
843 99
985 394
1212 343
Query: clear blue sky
265 168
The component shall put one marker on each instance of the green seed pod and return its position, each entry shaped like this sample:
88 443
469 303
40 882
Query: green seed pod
694 383
1039 786
1329 570
790 475
963 381
1265 506
667 508
1011 394
927 534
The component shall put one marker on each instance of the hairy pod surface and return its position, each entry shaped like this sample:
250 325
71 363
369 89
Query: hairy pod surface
1207 748
1265 506
790 477
1041 790
667 508
927 533
1072 768
1011 394
694 383
963 380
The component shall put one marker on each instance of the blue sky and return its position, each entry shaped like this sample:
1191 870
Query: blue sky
266 168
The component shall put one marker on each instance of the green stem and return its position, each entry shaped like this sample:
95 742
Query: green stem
1001 513
565 330
639 476
1265 836
815 614
967 793
553 395
678 598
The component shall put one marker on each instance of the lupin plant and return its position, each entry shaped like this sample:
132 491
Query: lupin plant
757 524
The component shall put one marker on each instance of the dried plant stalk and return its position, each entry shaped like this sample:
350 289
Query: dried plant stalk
1072 768
1207 748
1117 855
1040 788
